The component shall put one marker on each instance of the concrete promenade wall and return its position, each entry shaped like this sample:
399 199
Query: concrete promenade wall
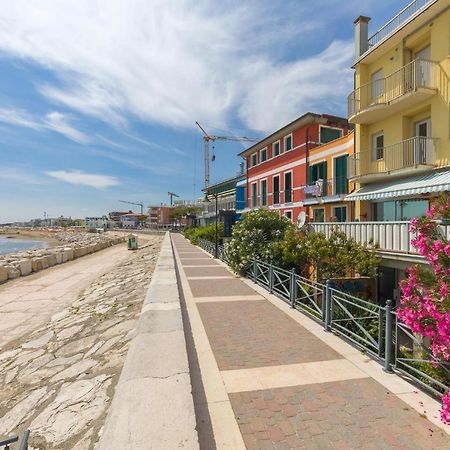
153 406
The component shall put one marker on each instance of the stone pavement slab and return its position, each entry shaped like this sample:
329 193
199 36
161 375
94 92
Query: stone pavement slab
209 288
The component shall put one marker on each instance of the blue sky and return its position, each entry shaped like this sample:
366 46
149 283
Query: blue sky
98 99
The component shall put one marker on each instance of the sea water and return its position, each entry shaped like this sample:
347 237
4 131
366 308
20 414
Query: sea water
19 245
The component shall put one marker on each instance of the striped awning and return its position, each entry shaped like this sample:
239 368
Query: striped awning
436 181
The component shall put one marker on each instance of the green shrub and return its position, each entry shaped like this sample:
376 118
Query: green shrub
256 237
208 233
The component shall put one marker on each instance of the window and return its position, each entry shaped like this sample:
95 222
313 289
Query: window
263 156
263 191
288 214
319 172
400 209
340 175
288 143
254 159
328 134
378 146
276 189
254 195
276 148
288 187
319 215
340 214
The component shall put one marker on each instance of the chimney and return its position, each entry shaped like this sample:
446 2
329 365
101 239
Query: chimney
361 35
242 167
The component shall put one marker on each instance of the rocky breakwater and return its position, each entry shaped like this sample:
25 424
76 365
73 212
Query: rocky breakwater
73 246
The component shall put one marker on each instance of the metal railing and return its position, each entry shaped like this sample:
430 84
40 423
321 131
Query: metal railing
329 187
368 326
418 150
397 21
5 444
419 73
389 236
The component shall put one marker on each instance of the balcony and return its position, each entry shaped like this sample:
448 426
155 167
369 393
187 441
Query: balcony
412 155
330 190
408 86
403 16
389 237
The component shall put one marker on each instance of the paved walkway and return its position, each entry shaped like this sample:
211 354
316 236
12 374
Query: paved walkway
267 377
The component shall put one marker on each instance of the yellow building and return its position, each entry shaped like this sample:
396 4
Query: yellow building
400 108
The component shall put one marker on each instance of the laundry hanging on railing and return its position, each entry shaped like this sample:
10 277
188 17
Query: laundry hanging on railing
314 189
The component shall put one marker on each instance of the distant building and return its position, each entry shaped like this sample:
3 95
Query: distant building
95 223
116 215
159 215
130 220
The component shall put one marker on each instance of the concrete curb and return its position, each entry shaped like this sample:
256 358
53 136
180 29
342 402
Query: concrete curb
153 407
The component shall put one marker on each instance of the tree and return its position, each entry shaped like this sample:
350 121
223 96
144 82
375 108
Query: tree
425 299
179 212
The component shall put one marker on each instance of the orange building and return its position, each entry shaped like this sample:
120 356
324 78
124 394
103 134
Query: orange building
328 184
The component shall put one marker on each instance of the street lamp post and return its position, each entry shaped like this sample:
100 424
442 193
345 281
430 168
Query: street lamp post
216 231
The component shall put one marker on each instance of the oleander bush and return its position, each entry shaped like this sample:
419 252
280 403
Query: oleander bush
208 233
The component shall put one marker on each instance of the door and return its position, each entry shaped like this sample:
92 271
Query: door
423 145
424 68
340 175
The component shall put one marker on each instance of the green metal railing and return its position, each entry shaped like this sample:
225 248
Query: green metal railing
370 327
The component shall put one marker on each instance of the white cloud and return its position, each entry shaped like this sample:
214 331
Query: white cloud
176 61
54 121
83 178
18 117
60 123
19 175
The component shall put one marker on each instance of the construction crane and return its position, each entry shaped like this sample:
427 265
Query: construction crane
172 195
207 138
134 203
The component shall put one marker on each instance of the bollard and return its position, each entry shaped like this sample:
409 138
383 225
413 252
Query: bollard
327 306
293 289
388 339
271 278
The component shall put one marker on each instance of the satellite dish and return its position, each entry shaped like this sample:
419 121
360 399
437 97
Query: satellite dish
301 219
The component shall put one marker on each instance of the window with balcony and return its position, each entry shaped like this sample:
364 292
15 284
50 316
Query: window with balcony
254 195
276 189
328 134
276 148
400 209
263 190
254 159
377 84
378 146
263 155
340 213
340 175
319 215
288 187
318 172
288 143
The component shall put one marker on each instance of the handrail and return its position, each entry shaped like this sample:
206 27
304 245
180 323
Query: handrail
407 12
419 73
418 150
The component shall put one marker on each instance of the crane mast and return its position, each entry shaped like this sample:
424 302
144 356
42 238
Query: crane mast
206 140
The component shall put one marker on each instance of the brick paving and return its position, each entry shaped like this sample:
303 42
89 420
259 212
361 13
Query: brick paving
255 334
339 415
349 414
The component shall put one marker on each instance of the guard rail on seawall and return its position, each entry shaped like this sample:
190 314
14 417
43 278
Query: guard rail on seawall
153 405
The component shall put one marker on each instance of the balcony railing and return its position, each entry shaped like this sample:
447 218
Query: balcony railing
392 237
324 188
419 73
397 21
409 153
